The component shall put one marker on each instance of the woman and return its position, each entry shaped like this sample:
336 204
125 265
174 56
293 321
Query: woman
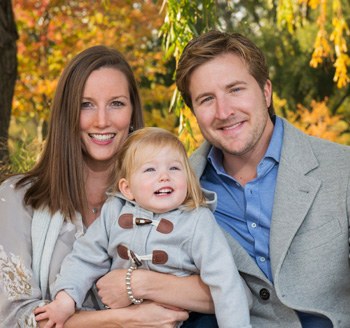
43 211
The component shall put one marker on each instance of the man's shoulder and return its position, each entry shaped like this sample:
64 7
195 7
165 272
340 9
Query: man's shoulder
302 150
198 158
316 142
201 151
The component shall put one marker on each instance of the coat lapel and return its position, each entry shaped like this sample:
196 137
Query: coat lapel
243 260
294 194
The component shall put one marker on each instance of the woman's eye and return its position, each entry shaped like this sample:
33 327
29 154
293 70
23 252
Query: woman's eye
174 168
117 103
150 169
86 104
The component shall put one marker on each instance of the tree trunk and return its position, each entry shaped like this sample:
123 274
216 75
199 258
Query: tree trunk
8 73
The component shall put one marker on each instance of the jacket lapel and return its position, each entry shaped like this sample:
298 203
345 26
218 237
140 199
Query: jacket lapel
243 260
294 194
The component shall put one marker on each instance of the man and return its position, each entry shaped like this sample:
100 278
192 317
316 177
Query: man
282 195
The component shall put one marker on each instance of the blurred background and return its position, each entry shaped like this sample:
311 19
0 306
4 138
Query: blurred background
305 42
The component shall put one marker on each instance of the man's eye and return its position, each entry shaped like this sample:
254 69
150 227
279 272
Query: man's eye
236 89
207 99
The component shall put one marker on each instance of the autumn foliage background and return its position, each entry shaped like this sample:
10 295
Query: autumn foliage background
305 42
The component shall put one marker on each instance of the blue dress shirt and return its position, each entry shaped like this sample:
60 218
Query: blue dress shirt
248 216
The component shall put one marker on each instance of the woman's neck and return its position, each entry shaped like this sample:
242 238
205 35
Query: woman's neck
96 184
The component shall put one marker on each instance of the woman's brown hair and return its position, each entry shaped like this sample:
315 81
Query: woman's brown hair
57 180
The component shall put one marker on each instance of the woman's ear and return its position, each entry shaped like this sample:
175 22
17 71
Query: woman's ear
125 189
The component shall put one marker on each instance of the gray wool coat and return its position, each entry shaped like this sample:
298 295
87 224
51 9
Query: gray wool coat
309 240
178 242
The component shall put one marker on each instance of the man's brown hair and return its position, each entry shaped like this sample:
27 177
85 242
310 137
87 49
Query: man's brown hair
213 44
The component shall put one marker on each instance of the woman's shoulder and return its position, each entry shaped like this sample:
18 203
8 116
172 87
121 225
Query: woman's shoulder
11 196
9 185
12 180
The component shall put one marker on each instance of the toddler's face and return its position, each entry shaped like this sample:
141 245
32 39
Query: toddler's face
159 185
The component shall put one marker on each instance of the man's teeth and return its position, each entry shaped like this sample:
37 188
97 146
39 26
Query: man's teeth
233 126
102 137
164 191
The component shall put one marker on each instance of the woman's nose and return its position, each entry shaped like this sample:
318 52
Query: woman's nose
102 118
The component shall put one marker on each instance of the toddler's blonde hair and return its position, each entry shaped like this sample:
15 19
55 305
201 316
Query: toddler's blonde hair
145 143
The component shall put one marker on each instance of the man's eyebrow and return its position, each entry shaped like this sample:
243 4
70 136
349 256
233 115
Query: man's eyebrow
202 95
235 83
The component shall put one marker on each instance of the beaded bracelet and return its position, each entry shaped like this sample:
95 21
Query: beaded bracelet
128 286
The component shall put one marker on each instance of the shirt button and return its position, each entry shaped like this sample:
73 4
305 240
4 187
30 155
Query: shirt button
262 259
253 225
237 184
264 294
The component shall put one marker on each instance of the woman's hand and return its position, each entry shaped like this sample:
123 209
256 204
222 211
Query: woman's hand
151 315
189 293
112 289
146 315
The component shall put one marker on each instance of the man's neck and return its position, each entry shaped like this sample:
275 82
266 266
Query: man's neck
241 168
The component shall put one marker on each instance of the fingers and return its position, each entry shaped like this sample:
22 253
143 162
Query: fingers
40 309
41 316
50 324
171 307
181 315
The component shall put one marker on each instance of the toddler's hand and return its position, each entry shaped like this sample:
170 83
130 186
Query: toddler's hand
56 312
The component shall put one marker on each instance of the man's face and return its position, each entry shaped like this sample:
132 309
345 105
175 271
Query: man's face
230 107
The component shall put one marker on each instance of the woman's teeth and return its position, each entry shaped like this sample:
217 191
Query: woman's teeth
101 137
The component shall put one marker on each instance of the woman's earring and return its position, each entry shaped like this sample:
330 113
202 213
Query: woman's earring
131 129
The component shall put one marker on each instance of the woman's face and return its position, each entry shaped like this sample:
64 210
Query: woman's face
105 115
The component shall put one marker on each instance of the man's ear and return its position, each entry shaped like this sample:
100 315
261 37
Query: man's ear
268 92
125 189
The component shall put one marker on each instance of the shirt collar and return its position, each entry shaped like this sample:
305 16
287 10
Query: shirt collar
273 151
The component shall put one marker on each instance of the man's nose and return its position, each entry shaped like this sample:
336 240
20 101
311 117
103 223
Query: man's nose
224 108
